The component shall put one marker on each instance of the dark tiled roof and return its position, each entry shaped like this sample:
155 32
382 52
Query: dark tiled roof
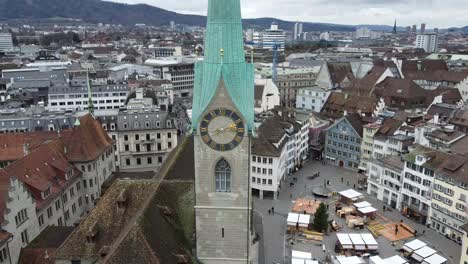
44 167
339 71
410 66
446 135
46 243
389 127
437 76
460 118
402 88
460 147
356 122
455 167
436 158
337 103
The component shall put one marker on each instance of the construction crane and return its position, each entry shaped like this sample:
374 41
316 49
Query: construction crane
274 76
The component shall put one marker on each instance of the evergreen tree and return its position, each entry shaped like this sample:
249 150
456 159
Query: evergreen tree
321 218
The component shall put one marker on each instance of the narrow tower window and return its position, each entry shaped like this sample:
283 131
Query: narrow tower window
223 176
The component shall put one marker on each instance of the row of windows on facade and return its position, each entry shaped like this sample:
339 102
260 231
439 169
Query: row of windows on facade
343 145
147 136
447 212
421 169
449 202
262 160
344 137
262 171
136 125
342 153
85 95
86 103
148 148
149 160
262 181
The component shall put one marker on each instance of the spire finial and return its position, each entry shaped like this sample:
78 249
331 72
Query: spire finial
221 53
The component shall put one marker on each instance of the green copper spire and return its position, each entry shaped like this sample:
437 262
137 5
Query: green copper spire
224 60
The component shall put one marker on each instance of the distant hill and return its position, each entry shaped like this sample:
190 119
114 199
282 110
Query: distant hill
115 13
96 11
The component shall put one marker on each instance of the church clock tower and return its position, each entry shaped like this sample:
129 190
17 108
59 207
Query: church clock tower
223 118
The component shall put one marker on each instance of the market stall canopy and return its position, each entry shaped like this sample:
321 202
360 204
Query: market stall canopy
293 218
301 255
303 261
345 241
376 260
435 259
304 220
423 253
351 194
413 245
367 210
370 241
349 260
362 204
358 242
396 260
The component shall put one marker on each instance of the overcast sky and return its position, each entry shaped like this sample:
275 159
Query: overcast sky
436 13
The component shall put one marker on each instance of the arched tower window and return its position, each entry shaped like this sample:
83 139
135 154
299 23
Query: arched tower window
223 176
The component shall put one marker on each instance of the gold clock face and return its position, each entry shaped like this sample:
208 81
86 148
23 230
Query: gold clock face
222 129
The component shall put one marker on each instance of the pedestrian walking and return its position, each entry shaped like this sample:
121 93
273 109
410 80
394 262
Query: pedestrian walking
342 179
347 183
384 208
269 211
273 210
354 186
396 230
290 195
424 231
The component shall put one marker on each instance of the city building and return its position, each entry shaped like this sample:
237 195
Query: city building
449 197
312 98
161 52
464 247
298 28
363 32
339 104
270 38
178 70
325 36
6 42
266 94
385 180
418 182
423 28
223 102
55 179
335 75
281 145
343 142
110 96
367 146
427 41
290 82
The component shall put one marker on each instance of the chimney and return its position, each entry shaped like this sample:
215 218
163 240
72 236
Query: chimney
345 113
139 94
26 149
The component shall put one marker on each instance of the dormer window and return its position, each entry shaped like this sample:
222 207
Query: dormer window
69 173
169 124
46 193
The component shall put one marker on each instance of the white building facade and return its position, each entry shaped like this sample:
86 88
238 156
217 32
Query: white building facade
428 41
312 98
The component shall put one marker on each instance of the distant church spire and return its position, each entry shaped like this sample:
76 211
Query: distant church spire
395 28
90 97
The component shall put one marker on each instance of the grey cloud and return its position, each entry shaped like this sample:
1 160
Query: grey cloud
436 13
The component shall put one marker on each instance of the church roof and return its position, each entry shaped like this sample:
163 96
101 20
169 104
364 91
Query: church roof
224 61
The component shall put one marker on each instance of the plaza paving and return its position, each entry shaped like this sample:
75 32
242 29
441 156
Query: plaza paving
272 229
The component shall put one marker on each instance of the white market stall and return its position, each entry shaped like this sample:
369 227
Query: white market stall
435 259
301 255
293 219
370 241
376 260
345 241
362 204
350 196
422 253
414 245
304 220
396 260
349 260
358 242
303 261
